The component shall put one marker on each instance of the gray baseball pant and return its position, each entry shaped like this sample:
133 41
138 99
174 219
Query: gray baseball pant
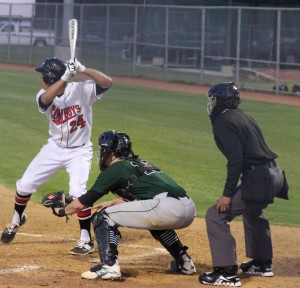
258 241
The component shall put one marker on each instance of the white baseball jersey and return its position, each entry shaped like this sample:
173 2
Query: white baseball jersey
70 115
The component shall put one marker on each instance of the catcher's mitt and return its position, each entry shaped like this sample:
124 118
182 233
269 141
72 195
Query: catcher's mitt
56 200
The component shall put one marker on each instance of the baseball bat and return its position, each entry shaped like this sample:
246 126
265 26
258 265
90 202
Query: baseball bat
73 30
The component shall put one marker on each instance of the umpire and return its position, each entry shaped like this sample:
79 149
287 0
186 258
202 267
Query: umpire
240 140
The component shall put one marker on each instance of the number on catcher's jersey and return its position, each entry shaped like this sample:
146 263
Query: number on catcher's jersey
145 166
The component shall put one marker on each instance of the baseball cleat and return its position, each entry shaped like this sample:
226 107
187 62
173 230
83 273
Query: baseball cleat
83 248
187 268
11 229
219 278
103 272
182 264
253 268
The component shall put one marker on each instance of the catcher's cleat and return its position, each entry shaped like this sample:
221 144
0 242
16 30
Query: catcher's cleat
103 272
11 229
219 278
253 268
182 264
187 268
83 248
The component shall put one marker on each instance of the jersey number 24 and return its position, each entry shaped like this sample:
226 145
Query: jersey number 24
80 122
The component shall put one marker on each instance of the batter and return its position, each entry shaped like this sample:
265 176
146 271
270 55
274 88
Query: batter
68 107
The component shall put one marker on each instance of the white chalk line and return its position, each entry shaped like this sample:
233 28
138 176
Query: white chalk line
32 235
137 256
159 250
44 236
155 251
146 247
133 257
19 269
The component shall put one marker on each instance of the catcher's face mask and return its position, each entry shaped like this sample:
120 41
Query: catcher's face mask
222 96
105 144
102 156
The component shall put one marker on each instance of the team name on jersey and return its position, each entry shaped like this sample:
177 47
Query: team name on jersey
60 116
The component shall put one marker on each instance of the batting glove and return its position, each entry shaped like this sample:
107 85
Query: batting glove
79 66
70 70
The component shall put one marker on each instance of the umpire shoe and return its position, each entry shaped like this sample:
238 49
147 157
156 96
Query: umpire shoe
254 268
103 272
186 265
11 229
83 248
219 277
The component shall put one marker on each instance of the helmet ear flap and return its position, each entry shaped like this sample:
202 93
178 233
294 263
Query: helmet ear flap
114 146
52 70
46 79
121 145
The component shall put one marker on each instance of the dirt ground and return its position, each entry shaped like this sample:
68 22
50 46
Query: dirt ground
38 257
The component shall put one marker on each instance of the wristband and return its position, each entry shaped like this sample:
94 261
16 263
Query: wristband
64 78
81 68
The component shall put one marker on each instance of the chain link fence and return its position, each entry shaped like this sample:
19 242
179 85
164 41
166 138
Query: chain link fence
255 47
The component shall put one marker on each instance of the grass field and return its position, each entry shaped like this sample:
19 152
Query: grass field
170 129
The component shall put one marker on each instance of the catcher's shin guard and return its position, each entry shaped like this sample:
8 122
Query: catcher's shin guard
107 238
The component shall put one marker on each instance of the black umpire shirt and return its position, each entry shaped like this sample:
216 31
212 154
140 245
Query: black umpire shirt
240 139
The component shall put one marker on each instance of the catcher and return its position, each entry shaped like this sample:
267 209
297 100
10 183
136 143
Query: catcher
147 199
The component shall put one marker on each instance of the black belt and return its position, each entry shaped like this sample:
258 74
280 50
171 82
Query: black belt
176 197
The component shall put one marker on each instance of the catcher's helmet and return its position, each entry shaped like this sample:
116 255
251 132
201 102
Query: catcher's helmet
222 96
52 70
116 142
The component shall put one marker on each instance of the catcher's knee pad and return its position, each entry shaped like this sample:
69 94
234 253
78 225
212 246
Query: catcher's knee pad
99 218
102 216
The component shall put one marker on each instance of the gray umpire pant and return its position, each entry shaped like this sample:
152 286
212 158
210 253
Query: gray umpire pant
256 228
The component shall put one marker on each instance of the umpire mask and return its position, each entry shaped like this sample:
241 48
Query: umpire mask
222 96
